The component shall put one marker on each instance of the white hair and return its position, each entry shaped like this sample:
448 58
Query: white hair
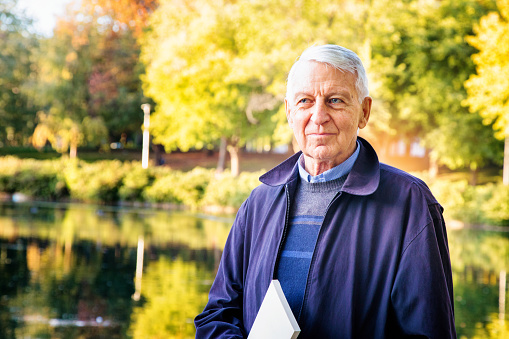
338 57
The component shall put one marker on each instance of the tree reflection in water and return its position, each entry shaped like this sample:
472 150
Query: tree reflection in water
69 271
478 258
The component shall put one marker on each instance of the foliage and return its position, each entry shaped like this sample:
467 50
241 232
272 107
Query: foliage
62 92
8 169
482 204
200 188
178 187
488 90
113 181
97 182
496 208
17 68
48 184
64 133
457 198
462 141
227 190
188 73
88 84
218 69
114 84
192 185
33 178
162 189
420 59
135 180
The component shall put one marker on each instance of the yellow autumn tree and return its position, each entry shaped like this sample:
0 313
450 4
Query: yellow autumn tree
488 90
217 69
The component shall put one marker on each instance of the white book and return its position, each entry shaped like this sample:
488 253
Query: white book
275 319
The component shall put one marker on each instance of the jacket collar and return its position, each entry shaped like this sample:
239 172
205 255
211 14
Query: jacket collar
362 180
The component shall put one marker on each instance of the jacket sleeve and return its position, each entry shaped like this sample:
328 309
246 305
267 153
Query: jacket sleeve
222 316
422 295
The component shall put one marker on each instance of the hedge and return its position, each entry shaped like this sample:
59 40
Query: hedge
482 204
112 181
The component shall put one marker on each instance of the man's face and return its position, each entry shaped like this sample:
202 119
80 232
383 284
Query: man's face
324 113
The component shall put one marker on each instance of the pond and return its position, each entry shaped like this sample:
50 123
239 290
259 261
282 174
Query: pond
79 271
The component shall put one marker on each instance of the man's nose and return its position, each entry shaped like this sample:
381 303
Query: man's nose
320 114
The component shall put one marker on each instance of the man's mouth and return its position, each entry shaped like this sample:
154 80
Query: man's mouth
320 134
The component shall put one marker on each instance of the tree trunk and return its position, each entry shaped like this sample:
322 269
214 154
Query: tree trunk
222 156
234 159
73 151
505 176
473 174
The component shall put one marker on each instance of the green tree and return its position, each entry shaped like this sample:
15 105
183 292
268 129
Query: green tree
420 60
114 84
89 82
62 90
488 90
17 44
217 70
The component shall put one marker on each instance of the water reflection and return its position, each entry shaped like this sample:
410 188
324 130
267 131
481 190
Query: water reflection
480 261
69 271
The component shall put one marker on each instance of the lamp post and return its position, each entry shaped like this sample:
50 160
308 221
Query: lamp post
146 136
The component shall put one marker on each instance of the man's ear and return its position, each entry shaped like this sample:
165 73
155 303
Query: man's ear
288 113
366 111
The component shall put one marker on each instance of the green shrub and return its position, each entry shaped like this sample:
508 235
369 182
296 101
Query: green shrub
229 191
462 201
190 187
41 179
453 196
43 184
9 166
110 181
161 189
496 208
135 180
185 188
96 182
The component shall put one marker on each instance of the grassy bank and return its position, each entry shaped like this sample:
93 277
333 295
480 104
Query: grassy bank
113 182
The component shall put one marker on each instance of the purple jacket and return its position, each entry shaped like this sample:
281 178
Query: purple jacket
380 268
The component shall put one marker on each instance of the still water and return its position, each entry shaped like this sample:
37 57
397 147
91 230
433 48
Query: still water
76 271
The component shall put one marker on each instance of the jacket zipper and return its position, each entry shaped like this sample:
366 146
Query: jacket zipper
285 229
313 258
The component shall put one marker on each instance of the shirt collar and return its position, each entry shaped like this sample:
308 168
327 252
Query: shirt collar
334 173
363 180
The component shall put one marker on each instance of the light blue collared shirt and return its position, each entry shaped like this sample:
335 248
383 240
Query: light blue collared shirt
334 173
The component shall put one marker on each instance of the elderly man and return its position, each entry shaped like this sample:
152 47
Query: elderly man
359 247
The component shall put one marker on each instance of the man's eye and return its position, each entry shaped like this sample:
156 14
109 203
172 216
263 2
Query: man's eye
336 101
304 101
